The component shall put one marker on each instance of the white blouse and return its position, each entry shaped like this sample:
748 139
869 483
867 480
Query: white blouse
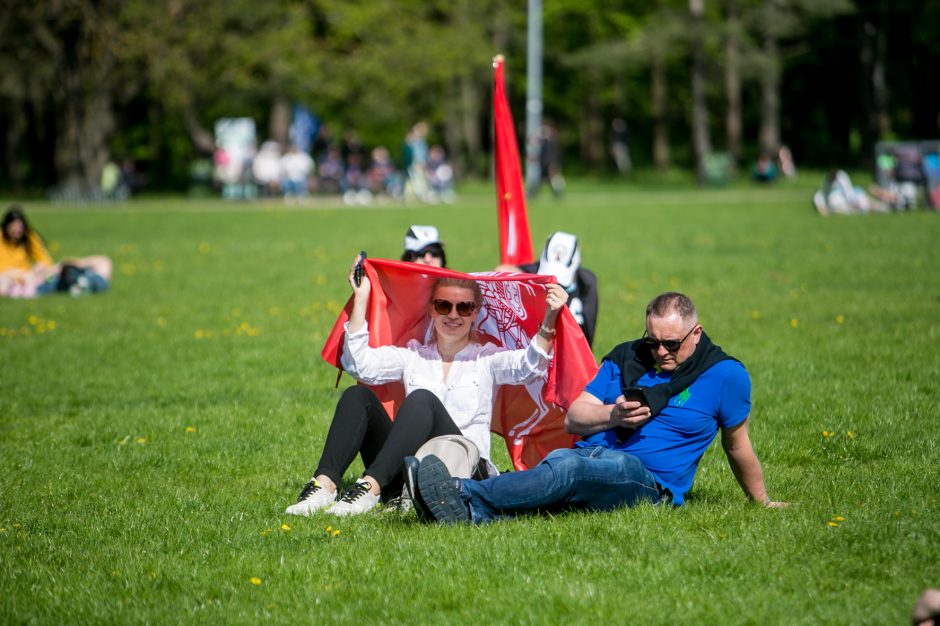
470 388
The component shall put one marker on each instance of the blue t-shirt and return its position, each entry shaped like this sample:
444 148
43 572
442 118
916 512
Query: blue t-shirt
671 445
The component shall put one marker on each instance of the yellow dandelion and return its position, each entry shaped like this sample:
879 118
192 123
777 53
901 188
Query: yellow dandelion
203 248
850 434
897 514
827 433
336 532
41 328
833 524
838 518
50 324
840 319
141 440
254 580
285 527
16 525
327 529
33 320
794 323
755 314
190 429
199 334
2 530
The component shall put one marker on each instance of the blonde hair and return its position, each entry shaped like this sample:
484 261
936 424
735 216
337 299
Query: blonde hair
463 283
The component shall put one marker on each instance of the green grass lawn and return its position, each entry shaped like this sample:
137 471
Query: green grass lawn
152 436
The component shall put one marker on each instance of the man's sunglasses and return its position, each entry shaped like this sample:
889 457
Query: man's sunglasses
444 307
671 345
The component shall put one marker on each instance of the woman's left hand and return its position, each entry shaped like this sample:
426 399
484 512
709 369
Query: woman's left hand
555 297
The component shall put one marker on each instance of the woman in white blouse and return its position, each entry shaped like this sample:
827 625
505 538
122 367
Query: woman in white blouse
450 384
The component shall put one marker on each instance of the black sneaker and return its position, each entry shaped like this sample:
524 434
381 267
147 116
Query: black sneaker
410 472
439 493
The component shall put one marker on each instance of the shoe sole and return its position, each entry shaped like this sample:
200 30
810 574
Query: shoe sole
411 487
435 486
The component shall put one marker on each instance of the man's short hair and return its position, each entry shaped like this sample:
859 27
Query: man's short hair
672 302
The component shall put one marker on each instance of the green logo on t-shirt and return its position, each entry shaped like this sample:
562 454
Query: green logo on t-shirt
683 397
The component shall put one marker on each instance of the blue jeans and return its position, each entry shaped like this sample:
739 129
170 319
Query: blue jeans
596 479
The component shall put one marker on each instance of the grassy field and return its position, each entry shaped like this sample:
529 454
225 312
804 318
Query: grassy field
152 436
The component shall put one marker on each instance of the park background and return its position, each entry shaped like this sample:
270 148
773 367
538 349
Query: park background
153 435
85 82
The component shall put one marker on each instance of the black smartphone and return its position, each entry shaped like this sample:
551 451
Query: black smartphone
635 393
357 272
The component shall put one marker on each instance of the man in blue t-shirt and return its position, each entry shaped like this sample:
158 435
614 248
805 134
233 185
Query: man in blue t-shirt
646 419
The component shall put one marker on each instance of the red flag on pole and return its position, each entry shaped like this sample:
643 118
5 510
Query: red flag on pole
529 417
515 242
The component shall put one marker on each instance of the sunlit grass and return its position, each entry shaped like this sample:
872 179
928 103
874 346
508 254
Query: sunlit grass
152 436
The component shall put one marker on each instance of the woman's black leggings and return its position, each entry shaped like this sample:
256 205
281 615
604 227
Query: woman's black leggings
361 425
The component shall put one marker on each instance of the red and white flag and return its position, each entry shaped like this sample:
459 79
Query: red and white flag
515 242
529 417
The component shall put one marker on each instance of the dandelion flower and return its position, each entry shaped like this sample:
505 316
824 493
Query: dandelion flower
336 532
285 527
794 323
327 529
203 248
141 440
33 320
838 518
840 319
254 580
850 434
51 324
190 429
833 524
827 433
755 314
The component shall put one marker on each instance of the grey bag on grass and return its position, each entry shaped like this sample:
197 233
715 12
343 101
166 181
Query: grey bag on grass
459 454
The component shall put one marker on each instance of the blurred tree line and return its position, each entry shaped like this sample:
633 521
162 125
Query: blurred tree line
87 81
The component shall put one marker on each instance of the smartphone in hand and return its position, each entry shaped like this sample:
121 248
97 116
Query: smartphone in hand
635 393
357 272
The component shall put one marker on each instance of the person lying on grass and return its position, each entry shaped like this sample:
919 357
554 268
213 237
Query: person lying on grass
27 269
646 419
450 384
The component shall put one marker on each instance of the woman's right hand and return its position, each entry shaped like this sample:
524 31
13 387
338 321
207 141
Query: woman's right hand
357 317
364 288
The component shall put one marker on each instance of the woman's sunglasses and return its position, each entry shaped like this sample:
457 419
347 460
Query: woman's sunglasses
444 307
671 345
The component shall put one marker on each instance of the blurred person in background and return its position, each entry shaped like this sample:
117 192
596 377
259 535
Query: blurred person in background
561 258
423 245
27 269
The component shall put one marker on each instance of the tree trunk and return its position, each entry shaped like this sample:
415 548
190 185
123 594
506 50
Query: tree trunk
769 136
733 124
470 126
592 122
871 54
701 140
16 130
86 123
279 124
201 138
661 156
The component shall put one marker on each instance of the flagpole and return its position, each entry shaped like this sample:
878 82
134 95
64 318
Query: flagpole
533 117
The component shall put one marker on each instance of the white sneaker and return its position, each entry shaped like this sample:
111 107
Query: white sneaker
355 500
313 497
